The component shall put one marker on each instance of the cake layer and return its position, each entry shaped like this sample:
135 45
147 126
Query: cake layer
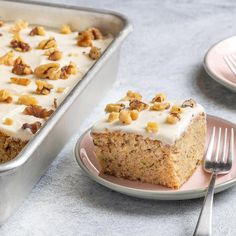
9 147
135 157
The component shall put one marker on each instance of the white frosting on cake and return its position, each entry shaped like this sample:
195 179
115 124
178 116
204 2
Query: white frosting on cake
167 133
35 57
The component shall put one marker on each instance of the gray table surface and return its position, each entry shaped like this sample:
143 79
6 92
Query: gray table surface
164 53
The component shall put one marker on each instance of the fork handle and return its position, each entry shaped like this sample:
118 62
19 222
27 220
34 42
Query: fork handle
204 224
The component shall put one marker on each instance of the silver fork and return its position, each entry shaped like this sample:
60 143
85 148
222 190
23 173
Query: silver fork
217 161
230 61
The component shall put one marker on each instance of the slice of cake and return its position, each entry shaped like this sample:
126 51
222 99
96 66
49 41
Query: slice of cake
159 142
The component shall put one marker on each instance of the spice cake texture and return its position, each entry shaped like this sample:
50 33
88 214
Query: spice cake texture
38 68
158 142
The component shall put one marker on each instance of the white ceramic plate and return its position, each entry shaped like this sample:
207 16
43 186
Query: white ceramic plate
216 66
195 187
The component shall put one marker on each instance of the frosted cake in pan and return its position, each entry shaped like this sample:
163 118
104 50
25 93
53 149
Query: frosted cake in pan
159 142
38 68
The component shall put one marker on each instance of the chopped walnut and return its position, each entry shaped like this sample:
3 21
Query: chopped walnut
5 96
43 87
160 97
1 34
176 109
38 30
66 71
125 117
173 118
85 39
27 99
160 106
34 127
1 23
19 25
20 81
55 55
47 43
48 71
49 51
189 103
94 53
114 107
96 33
8 121
65 29
37 111
152 127
20 46
134 114
7 59
132 95
137 105
17 37
113 116
60 90
20 67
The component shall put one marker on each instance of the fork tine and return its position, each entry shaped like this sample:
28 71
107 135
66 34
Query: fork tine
223 156
231 147
218 146
234 57
211 145
232 60
229 64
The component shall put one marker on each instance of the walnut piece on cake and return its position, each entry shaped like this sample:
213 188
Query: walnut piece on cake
85 39
56 55
37 111
161 145
47 43
20 81
43 87
48 71
34 127
20 46
68 70
27 99
21 68
5 96
96 33
38 30
18 26
7 59
65 29
94 53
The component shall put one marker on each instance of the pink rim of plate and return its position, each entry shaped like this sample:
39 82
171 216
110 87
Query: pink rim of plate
216 66
194 188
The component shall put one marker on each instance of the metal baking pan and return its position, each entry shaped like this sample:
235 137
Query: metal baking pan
18 176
